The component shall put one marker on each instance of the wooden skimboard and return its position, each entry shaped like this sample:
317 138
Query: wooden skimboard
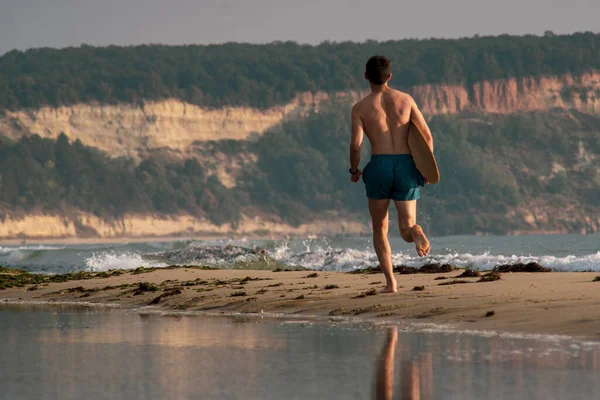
422 154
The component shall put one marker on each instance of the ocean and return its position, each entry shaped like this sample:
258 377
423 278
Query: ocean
559 252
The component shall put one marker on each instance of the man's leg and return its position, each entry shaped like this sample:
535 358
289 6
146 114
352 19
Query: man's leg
379 216
409 230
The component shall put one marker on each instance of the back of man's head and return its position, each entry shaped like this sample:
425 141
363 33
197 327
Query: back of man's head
378 70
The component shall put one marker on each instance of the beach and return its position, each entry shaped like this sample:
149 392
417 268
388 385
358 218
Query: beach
547 303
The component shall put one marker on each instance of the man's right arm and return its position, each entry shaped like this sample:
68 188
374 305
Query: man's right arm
417 118
356 139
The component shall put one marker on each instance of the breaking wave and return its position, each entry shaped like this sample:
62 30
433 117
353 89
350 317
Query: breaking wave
561 253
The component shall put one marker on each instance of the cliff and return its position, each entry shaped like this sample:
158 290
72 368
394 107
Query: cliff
531 150
130 129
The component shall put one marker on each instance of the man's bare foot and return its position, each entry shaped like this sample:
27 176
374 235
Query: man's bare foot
421 242
391 287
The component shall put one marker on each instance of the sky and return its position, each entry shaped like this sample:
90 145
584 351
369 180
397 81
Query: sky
61 23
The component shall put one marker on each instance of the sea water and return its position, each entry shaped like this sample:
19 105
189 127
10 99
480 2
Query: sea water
560 252
70 353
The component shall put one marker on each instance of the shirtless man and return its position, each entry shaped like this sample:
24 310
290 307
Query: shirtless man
384 116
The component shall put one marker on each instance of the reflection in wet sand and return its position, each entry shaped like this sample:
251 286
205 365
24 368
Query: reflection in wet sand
173 372
519 368
115 355
385 367
168 332
417 374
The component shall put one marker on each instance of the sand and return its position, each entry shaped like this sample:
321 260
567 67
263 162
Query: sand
561 303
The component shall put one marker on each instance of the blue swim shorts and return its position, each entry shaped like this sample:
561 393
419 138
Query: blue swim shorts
392 176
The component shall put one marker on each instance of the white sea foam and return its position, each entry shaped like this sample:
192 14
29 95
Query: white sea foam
350 259
109 260
29 248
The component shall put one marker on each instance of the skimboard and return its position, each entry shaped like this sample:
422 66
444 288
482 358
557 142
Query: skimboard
422 154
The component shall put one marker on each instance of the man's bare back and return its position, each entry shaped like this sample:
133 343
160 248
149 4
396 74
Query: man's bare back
385 116
391 174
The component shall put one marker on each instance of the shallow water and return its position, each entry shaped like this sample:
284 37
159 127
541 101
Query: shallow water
63 352
560 252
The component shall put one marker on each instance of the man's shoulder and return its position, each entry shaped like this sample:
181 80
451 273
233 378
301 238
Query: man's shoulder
358 105
401 95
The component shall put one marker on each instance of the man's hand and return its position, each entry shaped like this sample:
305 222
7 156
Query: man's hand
356 177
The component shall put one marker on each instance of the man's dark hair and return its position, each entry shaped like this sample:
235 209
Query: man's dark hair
378 69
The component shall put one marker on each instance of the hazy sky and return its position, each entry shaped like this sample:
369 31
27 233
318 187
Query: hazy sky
59 23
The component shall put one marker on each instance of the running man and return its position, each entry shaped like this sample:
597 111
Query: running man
384 116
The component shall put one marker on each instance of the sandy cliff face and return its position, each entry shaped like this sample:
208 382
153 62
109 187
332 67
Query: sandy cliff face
127 129
130 129
56 226
514 95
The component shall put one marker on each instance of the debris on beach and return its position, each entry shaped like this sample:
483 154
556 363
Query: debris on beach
490 313
167 293
453 282
432 268
418 288
469 273
490 277
371 292
436 268
144 287
290 269
329 287
521 267
596 279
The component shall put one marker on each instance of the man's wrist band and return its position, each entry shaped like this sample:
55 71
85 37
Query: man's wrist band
353 173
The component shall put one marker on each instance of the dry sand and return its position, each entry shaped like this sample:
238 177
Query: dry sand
562 303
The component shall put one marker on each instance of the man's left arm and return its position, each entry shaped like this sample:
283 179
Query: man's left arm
358 133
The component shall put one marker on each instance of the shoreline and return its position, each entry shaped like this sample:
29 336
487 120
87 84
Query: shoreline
542 303
370 322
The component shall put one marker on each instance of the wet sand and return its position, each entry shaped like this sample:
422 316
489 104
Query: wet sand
563 303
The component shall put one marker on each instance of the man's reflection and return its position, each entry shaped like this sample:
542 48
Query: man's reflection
417 374
385 367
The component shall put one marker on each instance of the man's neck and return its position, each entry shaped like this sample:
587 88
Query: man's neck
379 88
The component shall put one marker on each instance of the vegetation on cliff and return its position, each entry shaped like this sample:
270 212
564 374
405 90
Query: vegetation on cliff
265 75
58 176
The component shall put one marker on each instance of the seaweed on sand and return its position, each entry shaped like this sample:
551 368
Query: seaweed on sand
432 268
171 292
469 273
453 282
144 287
371 292
520 267
490 277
